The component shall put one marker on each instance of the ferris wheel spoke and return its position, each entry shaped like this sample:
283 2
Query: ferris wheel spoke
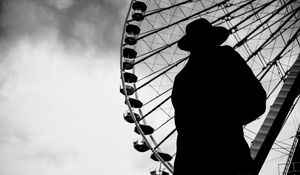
153 52
265 22
149 13
272 36
237 6
284 143
278 150
280 70
164 123
182 20
228 15
156 107
235 27
163 47
227 19
163 72
156 72
276 158
276 143
164 139
156 97
282 148
239 16
158 34
269 26
279 56
290 112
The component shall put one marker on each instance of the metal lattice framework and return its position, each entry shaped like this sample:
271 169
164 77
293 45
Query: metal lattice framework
266 33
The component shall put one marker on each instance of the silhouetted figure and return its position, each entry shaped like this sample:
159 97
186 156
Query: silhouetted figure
214 95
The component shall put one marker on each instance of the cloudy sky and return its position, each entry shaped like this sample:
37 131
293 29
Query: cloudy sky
60 106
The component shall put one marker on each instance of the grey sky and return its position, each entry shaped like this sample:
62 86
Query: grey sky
60 106
80 23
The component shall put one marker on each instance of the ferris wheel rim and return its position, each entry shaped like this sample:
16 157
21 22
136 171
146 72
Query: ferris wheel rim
168 166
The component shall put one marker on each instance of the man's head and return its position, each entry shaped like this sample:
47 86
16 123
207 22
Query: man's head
200 33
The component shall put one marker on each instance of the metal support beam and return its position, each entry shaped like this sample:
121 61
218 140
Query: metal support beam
274 121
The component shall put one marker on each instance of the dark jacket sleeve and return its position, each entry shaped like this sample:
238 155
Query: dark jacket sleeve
248 94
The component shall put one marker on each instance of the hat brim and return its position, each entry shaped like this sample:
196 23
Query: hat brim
220 36
184 43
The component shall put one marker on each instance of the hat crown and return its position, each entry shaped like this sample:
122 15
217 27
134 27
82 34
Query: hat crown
199 25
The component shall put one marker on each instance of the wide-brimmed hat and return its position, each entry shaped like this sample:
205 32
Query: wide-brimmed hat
201 27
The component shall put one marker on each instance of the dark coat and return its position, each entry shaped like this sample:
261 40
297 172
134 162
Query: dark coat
214 95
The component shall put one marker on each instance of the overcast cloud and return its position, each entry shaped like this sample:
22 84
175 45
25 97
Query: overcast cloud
80 23
60 106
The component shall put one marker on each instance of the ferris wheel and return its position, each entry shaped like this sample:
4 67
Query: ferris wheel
266 33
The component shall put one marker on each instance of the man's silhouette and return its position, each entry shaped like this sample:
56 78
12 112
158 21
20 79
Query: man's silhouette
214 95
